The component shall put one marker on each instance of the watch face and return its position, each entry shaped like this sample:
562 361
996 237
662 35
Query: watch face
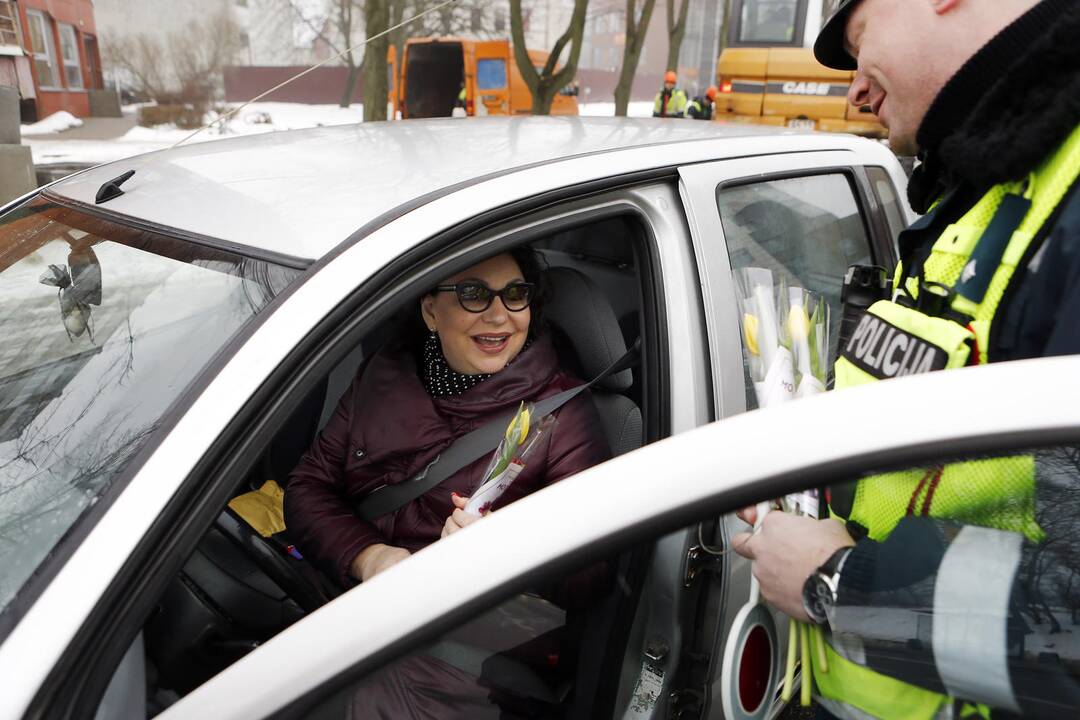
817 598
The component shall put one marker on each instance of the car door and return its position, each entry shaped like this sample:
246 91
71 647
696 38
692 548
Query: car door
672 312
804 217
492 58
369 640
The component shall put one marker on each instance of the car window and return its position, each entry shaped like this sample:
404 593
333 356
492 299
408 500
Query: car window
805 231
104 327
490 74
965 585
768 21
965 580
890 201
537 654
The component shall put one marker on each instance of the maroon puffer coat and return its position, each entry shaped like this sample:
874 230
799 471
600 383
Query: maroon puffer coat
387 428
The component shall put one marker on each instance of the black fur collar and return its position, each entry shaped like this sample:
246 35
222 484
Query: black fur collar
1010 105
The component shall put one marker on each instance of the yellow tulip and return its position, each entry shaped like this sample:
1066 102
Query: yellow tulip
798 323
524 425
750 332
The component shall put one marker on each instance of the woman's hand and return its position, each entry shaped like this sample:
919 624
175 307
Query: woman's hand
373 559
459 518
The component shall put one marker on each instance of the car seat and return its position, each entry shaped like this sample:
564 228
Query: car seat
581 313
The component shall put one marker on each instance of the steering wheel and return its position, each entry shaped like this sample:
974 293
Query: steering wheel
298 579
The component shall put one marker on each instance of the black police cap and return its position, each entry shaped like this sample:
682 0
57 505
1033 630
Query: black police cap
829 46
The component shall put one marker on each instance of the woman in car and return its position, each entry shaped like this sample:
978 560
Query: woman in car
485 352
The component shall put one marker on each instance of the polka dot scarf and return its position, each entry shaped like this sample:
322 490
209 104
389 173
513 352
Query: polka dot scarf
440 380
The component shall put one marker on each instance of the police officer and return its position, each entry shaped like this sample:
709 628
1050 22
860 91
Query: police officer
671 101
932 591
701 107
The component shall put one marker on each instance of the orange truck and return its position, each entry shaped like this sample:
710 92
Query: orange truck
429 80
767 74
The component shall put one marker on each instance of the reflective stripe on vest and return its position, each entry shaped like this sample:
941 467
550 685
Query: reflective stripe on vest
892 340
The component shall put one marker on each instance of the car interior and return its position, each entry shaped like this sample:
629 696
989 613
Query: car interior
240 588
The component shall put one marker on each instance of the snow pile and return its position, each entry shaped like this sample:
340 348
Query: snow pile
57 122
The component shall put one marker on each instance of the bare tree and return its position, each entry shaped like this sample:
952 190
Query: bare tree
185 68
199 54
676 30
637 27
334 28
376 20
544 84
139 57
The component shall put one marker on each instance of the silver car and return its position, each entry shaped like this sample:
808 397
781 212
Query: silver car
174 336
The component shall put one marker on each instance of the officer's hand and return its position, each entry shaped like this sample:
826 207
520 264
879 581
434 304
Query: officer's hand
785 551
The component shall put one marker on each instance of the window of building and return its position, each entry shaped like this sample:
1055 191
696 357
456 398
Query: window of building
9 24
69 53
41 42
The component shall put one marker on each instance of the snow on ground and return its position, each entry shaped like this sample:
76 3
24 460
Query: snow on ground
256 118
253 119
57 122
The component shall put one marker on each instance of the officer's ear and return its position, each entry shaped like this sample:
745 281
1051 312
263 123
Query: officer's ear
943 6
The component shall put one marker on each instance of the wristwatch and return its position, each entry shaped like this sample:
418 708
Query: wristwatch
819 590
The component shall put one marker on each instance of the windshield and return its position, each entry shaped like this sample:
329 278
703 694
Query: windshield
768 21
104 326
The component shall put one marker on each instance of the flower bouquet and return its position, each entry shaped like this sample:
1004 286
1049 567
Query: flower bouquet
786 341
522 437
762 314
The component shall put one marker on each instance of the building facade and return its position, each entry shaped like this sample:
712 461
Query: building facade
58 62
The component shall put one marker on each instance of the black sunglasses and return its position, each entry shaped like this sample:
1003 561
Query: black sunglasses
476 297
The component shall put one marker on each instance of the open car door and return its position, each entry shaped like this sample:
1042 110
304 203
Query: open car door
492 80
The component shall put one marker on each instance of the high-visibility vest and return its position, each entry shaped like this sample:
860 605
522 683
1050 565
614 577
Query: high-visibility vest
675 106
901 336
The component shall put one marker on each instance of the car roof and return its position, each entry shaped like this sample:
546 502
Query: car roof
300 194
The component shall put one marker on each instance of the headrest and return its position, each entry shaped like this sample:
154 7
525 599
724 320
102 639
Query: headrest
578 308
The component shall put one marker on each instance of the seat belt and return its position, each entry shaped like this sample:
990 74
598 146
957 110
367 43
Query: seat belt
472 446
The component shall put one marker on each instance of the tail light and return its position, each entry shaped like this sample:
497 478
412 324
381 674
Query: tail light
725 87
470 106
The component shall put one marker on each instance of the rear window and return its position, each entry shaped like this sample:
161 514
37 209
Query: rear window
768 21
491 74
104 327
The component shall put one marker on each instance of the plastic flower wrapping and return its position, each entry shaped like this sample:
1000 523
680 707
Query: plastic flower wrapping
786 344
522 437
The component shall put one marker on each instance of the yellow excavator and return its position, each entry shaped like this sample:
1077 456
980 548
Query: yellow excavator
767 74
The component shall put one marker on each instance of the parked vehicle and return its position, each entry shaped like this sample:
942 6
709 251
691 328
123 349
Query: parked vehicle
434 71
176 336
767 73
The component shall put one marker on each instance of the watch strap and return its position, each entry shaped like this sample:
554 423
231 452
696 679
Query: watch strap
831 567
